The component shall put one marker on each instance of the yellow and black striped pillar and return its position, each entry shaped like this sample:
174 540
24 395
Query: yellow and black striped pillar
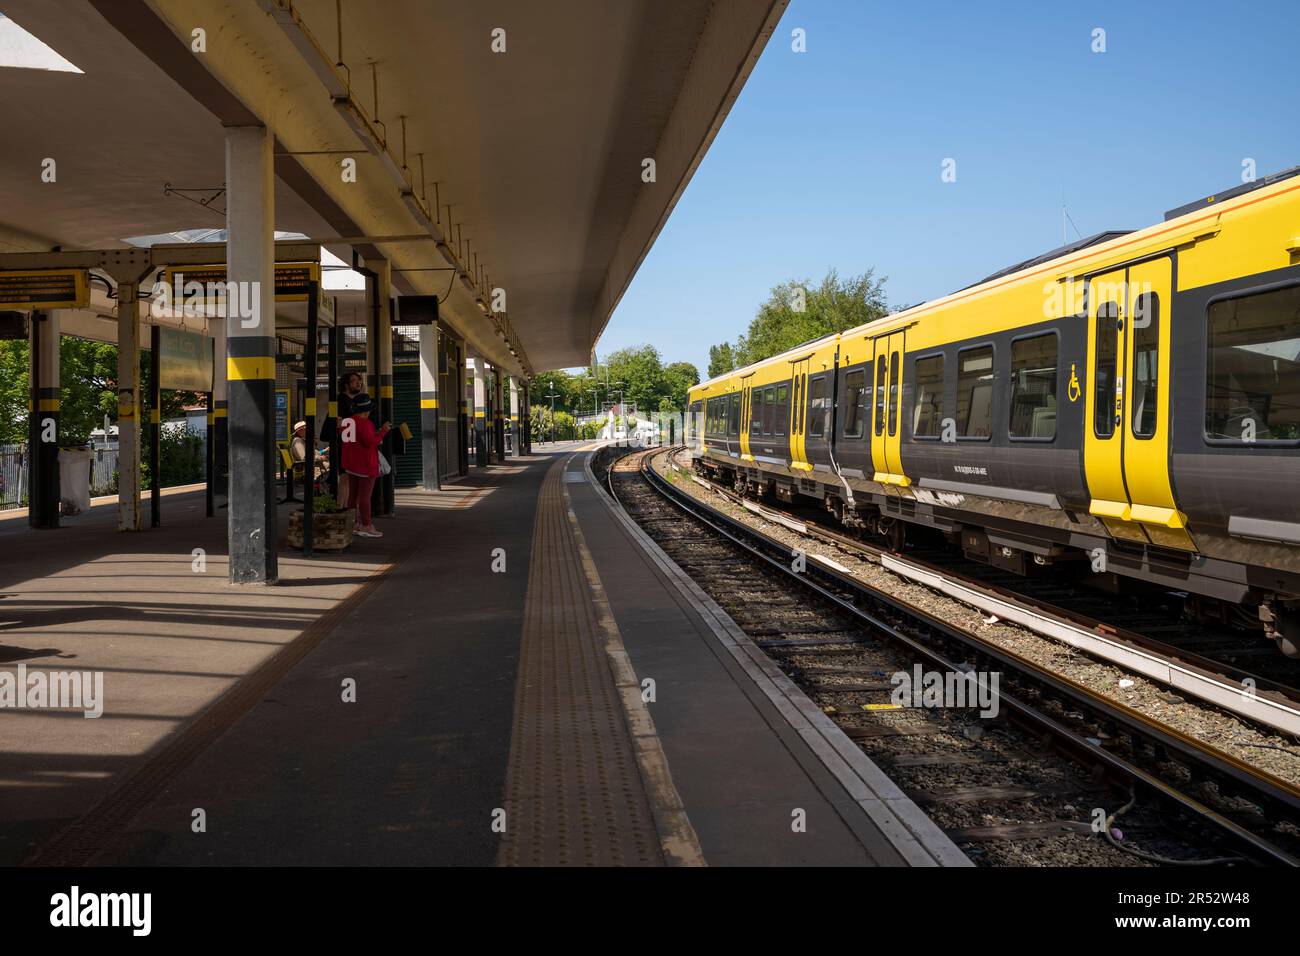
250 354
480 412
430 479
498 414
379 378
526 418
43 422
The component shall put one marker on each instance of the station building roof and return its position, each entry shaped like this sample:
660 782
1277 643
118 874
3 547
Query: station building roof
539 149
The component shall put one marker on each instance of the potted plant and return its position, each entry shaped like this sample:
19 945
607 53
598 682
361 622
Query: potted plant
331 525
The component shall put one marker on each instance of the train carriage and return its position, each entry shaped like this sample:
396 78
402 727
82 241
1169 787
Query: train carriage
1132 400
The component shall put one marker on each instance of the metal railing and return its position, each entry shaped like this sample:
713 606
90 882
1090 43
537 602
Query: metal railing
14 474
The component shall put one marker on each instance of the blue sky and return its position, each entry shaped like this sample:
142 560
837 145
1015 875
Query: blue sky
832 157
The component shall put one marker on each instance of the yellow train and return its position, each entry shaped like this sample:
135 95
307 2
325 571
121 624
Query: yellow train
1132 400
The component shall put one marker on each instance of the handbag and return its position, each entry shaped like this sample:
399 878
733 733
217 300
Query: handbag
384 466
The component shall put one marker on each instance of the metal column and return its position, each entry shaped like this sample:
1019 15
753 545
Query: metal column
336 370
128 407
379 362
43 423
310 355
498 414
431 479
251 346
155 428
220 422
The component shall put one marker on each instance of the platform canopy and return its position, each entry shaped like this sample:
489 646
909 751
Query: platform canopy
533 122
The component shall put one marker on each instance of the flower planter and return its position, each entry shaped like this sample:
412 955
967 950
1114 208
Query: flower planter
330 532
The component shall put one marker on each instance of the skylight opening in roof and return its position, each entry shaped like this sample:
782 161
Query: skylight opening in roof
23 51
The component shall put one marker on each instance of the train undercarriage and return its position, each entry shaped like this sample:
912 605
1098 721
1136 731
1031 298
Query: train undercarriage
1274 616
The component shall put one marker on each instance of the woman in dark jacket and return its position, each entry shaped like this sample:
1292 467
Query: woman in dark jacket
360 444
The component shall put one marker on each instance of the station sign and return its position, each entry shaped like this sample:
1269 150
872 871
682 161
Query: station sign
45 289
291 279
281 426
184 360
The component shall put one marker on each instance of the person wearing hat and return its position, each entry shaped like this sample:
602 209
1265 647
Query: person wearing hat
298 447
360 460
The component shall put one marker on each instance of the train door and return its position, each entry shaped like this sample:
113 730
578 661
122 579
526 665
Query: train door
1126 436
799 414
746 417
887 399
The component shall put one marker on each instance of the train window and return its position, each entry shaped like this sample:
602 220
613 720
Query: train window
767 411
880 395
1103 385
781 409
1146 363
1033 388
855 403
929 397
1253 374
755 412
893 393
975 392
820 407
735 415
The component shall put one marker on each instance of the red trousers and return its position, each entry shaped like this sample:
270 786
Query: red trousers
359 492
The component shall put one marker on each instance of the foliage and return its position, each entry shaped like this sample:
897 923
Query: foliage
325 504
88 380
566 426
13 392
180 456
722 359
638 374
795 312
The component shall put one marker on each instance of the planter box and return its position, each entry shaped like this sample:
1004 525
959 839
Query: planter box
330 532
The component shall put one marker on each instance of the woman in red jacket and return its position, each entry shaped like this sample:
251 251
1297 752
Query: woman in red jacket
360 447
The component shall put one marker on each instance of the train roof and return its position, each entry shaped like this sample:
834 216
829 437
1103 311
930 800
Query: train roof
1142 236
1231 192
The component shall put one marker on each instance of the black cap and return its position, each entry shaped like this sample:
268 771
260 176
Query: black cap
362 403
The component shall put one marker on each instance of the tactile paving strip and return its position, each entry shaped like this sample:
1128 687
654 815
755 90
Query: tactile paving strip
574 794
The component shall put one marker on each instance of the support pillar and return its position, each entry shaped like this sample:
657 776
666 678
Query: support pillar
527 417
155 427
430 479
128 406
43 422
379 370
515 438
335 370
220 422
499 414
480 411
250 362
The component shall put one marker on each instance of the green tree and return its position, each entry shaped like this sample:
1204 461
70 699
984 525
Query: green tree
13 392
88 389
680 377
796 312
721 359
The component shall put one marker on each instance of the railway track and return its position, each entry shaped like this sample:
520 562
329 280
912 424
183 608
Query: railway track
1060 775
1060 611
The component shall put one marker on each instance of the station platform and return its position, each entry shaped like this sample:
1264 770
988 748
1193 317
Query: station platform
470 689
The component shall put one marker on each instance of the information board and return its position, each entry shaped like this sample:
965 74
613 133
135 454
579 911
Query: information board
184 360
46 289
